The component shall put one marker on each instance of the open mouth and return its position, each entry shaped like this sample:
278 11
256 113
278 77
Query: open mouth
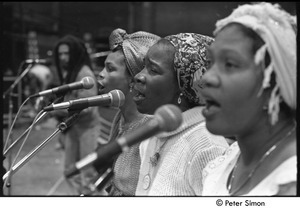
100 86
139 96
211 103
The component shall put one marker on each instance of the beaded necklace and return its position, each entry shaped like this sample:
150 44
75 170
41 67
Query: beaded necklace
257 165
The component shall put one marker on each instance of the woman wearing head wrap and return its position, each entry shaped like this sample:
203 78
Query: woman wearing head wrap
121 65
251 93
73 64
172 162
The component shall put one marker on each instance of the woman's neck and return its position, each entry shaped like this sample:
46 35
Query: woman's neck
257 142
129 111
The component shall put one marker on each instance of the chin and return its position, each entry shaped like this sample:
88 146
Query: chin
218 129
145 110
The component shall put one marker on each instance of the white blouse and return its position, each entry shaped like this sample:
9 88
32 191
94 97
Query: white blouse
215 175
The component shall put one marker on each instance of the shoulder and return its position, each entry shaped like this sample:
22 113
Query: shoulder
282 180
199 137
228 158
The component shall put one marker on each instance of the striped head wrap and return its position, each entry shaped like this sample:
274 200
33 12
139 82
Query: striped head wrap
134 46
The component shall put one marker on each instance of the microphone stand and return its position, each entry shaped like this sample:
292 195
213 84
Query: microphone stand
101 181
57 100
17 80
61 127
9 92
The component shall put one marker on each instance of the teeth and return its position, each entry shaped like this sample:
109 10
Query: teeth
139 94
100 86
211 103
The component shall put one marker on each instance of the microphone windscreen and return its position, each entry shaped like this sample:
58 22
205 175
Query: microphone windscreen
169 117
118 98
87 82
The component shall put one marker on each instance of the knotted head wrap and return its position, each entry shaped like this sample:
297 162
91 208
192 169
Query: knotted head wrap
278 30
134 46
190 63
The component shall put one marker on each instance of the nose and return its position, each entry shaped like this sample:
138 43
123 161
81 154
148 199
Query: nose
140 78
63 57
210 79
101 74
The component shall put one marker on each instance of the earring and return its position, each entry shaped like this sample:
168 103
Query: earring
265 107
179 98
130 87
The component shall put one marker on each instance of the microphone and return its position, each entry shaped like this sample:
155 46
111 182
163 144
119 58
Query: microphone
40 61
86 83
166 118
114 98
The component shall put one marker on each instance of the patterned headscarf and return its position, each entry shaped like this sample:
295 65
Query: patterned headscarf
134 46
190 63
278 30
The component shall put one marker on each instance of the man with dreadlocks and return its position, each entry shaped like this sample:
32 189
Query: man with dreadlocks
73 64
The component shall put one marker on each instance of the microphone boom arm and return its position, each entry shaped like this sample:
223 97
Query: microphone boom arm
17 80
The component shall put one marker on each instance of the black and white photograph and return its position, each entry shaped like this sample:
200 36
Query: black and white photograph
150 99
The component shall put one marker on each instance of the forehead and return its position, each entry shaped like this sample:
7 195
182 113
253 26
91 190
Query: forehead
161 52
232 38
116 58
63 48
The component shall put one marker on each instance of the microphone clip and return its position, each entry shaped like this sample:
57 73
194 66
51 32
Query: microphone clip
69 121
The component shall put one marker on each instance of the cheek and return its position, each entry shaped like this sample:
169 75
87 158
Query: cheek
119 83
241 107
115 80
163 91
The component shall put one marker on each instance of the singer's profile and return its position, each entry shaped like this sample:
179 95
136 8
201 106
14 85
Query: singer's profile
77 81
172 75
154 100
123 62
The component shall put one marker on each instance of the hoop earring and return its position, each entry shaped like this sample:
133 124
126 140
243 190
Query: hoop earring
179 98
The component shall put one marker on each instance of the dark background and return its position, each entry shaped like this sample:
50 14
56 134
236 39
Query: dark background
94 21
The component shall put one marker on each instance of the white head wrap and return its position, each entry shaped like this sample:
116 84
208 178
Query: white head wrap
278 30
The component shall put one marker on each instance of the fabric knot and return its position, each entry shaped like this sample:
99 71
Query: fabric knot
134 46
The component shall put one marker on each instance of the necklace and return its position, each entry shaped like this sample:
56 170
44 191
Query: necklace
125 127
155 158
153 161
257 165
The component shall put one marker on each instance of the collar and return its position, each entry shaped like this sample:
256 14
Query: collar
190 117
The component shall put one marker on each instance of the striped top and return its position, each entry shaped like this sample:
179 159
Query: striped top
126 166
182 158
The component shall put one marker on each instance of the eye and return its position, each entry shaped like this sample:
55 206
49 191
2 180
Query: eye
230 65
153 70
109 68
209 63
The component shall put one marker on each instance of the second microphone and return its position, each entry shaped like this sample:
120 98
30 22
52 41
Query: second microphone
114 98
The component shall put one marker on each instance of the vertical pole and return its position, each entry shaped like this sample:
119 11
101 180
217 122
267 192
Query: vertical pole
131 16
147 17
9 123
